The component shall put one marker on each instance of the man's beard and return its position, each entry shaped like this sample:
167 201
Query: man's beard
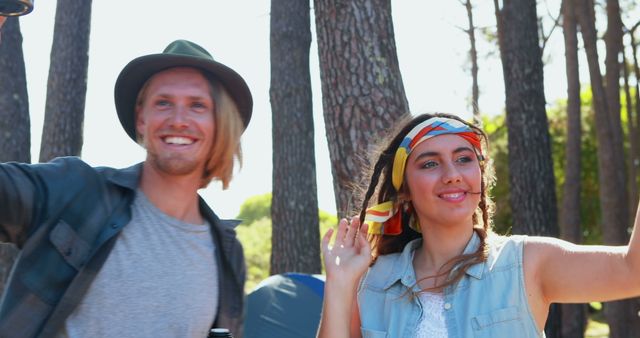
174 164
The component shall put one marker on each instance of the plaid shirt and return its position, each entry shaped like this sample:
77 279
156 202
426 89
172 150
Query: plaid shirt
64 216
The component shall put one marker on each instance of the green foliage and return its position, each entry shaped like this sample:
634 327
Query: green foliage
255 208
256 241
255 236
589 199
496 129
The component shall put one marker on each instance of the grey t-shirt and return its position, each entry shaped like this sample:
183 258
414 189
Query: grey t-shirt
160 280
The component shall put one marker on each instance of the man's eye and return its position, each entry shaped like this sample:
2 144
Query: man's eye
198 105
163 103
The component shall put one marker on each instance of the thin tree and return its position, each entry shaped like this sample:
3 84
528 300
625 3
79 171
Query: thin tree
636 69
15 136
362 90
632 164
613 44
531 178
620 315
473 56
294 208
574 316
67 83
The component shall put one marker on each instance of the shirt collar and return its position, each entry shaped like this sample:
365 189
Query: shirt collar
403 266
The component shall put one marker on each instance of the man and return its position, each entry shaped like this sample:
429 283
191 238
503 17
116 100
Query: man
134 252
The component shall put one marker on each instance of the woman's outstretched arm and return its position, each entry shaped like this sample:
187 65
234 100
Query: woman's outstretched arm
563 272
345 263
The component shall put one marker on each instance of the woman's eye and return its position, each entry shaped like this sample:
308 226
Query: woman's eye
429 164
464 159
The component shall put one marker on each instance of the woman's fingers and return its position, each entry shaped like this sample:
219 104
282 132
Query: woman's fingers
342 231
363 243
325 240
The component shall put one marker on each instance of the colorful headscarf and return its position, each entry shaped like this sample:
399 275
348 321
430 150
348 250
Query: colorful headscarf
386 218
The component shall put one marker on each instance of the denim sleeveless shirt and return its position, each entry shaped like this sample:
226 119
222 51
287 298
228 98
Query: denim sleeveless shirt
489 301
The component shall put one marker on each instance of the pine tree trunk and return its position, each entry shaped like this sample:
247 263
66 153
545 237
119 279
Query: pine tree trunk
613 43
362 91
632 164
621 315
574 316
294 208
15 135
473 53
533 197
67 84
636 71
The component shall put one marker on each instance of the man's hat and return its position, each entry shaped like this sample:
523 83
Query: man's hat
180 53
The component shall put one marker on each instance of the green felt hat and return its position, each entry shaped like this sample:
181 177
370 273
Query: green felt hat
180 53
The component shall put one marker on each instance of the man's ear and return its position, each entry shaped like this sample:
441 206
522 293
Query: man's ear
140 122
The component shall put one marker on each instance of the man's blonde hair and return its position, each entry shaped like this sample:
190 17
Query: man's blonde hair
228 128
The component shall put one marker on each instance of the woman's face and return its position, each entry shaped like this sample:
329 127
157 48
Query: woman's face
443 177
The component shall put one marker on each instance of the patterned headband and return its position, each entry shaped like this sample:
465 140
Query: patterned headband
385 218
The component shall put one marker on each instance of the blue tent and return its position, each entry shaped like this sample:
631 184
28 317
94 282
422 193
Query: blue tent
285 306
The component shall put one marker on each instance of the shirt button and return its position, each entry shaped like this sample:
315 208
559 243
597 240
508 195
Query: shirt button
114 225
447 306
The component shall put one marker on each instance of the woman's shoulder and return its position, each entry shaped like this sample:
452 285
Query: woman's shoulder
391 267
505 249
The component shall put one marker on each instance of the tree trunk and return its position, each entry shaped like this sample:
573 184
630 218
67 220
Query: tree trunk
636 71
294 208
362 91
574 316
15 135
633 143
613 43
67 84
473 54
533 197
621 315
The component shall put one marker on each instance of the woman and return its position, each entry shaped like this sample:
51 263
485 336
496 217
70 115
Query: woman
433 268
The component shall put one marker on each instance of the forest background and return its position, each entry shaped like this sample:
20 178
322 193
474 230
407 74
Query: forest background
429 45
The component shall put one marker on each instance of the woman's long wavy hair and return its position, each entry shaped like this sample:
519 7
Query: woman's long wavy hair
381 186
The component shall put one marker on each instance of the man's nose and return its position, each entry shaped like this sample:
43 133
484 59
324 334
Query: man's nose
178 117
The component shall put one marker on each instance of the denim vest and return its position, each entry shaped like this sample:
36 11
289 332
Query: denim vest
489 301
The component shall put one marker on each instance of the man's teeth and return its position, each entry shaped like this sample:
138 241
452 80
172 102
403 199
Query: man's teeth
177 140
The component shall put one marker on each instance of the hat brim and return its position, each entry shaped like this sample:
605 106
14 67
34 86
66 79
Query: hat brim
139 70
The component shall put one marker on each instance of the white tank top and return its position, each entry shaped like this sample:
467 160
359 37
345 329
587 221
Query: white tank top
432 323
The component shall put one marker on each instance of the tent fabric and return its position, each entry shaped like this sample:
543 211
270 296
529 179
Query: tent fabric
285 306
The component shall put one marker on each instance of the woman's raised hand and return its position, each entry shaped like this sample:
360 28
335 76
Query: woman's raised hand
350 255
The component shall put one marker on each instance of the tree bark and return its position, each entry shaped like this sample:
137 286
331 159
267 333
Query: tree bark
636 71
362 91
532 182
15 125
294 208
621 315
67 84
613 43
473 54
574 316
632 165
